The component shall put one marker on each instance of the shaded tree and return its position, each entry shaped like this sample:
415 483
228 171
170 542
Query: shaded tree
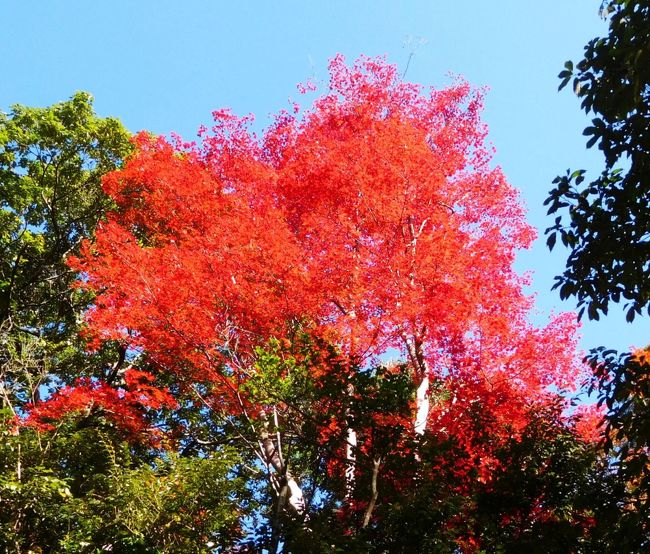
605 223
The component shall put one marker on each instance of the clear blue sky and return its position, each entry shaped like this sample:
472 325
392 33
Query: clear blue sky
164 66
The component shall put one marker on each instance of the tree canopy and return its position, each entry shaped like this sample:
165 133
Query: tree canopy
247 293
51 163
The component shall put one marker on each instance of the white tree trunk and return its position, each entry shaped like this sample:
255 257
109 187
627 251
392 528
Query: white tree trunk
422 405
296 499
351 461
350 449
420 368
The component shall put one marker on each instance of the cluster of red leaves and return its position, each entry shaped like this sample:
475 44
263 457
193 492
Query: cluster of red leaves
589 422
125 407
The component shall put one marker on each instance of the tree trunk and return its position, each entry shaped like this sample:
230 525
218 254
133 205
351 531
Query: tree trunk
273 457
422 406
350 450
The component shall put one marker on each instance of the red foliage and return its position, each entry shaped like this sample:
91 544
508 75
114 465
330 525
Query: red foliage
589 422
375 216
125 407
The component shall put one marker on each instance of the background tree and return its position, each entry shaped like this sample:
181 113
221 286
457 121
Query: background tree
51 163
606 225
80 487
84 490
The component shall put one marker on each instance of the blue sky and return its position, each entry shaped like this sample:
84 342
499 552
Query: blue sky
165 66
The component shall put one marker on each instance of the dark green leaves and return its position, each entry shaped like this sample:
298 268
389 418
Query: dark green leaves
566 74
606 224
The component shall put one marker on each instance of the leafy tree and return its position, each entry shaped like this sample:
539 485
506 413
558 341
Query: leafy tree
606 225
257 280
608 221
623 387
84 490
51 162
76 484
550 493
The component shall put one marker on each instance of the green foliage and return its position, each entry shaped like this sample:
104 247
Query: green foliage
281 375
84 491
606 222
51 163
606 225
624 386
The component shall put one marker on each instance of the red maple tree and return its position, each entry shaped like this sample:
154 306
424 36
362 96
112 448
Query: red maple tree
374 221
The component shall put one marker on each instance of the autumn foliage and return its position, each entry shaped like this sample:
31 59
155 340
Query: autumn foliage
372 222
123 406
